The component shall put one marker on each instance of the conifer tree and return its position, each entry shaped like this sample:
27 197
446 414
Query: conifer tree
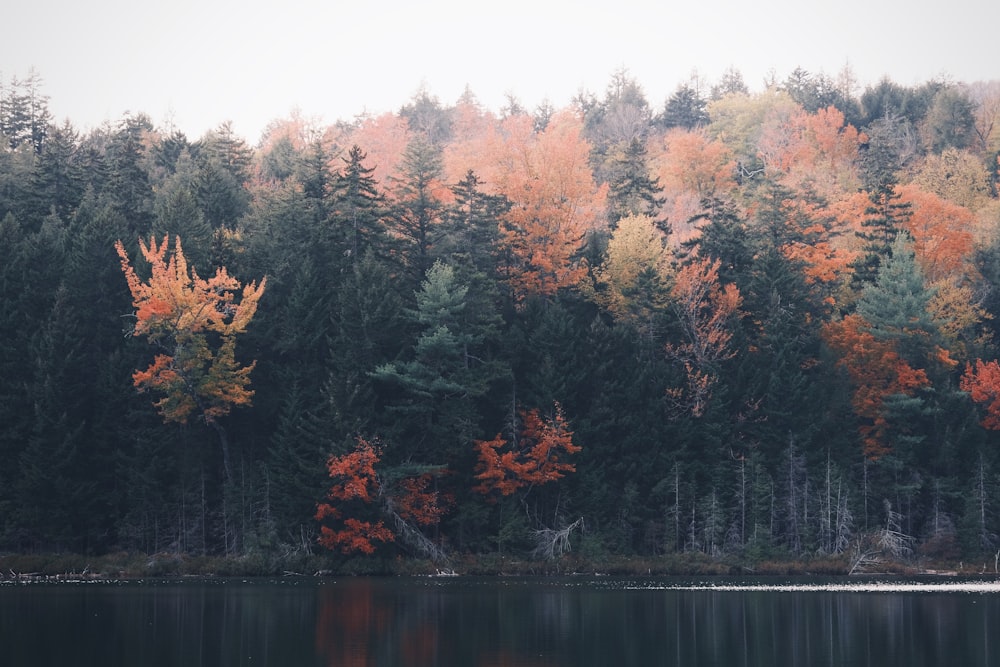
632 191
358 206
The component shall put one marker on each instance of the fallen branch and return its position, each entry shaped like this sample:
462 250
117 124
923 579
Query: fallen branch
551 544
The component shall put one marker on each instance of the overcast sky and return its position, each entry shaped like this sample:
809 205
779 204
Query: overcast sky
197 63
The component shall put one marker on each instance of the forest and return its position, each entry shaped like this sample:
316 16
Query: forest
742 325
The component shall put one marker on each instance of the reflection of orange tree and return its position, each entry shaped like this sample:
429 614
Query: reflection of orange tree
359 489
348 625
505 659
357 627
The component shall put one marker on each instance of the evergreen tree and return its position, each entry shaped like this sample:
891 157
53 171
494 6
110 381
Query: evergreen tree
685 109
896 305
128 183
433 394
416 215
57 183
368 330
359 206
469 228
632 191
294 469
176 210
885 218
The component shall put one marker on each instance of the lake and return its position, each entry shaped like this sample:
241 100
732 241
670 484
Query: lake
492 622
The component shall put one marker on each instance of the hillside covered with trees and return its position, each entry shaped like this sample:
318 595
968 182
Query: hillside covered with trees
742 324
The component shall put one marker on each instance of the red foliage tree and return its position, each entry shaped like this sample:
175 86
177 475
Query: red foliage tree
982 381
354 480
537 457
357 484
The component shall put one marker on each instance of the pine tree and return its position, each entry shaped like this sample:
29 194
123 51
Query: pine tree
433 393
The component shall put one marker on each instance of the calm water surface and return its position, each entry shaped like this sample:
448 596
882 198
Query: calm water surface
513 622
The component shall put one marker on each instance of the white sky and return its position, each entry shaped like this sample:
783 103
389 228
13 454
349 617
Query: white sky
198 63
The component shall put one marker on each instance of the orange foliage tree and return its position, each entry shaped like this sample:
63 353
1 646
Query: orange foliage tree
704 309
982 381
536 458
555 202
942 234
877 371
798 148
354 480
356 484
194 322
384 139
690 167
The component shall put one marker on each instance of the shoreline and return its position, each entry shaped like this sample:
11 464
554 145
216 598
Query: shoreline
130 566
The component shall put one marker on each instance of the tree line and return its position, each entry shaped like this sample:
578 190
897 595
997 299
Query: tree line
748 324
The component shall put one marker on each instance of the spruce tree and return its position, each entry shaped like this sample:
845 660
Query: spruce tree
359 207
631 189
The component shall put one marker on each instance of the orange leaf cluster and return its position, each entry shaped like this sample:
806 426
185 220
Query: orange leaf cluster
537 458
816 148
982 381
704 309
877 371
417 503
942 234
355 478
355 536
178 311
555 202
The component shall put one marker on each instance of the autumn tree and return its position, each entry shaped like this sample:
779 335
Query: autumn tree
982 380
877 372
942 234
359 488
536 457
955 175
354 480
633 281
194 323
554 204
691 167
703 308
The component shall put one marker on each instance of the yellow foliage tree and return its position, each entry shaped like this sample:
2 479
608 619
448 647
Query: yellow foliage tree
194 323
633 280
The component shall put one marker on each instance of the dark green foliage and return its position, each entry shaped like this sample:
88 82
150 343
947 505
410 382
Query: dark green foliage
684 109
416 216
819 91
358 206
632 191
